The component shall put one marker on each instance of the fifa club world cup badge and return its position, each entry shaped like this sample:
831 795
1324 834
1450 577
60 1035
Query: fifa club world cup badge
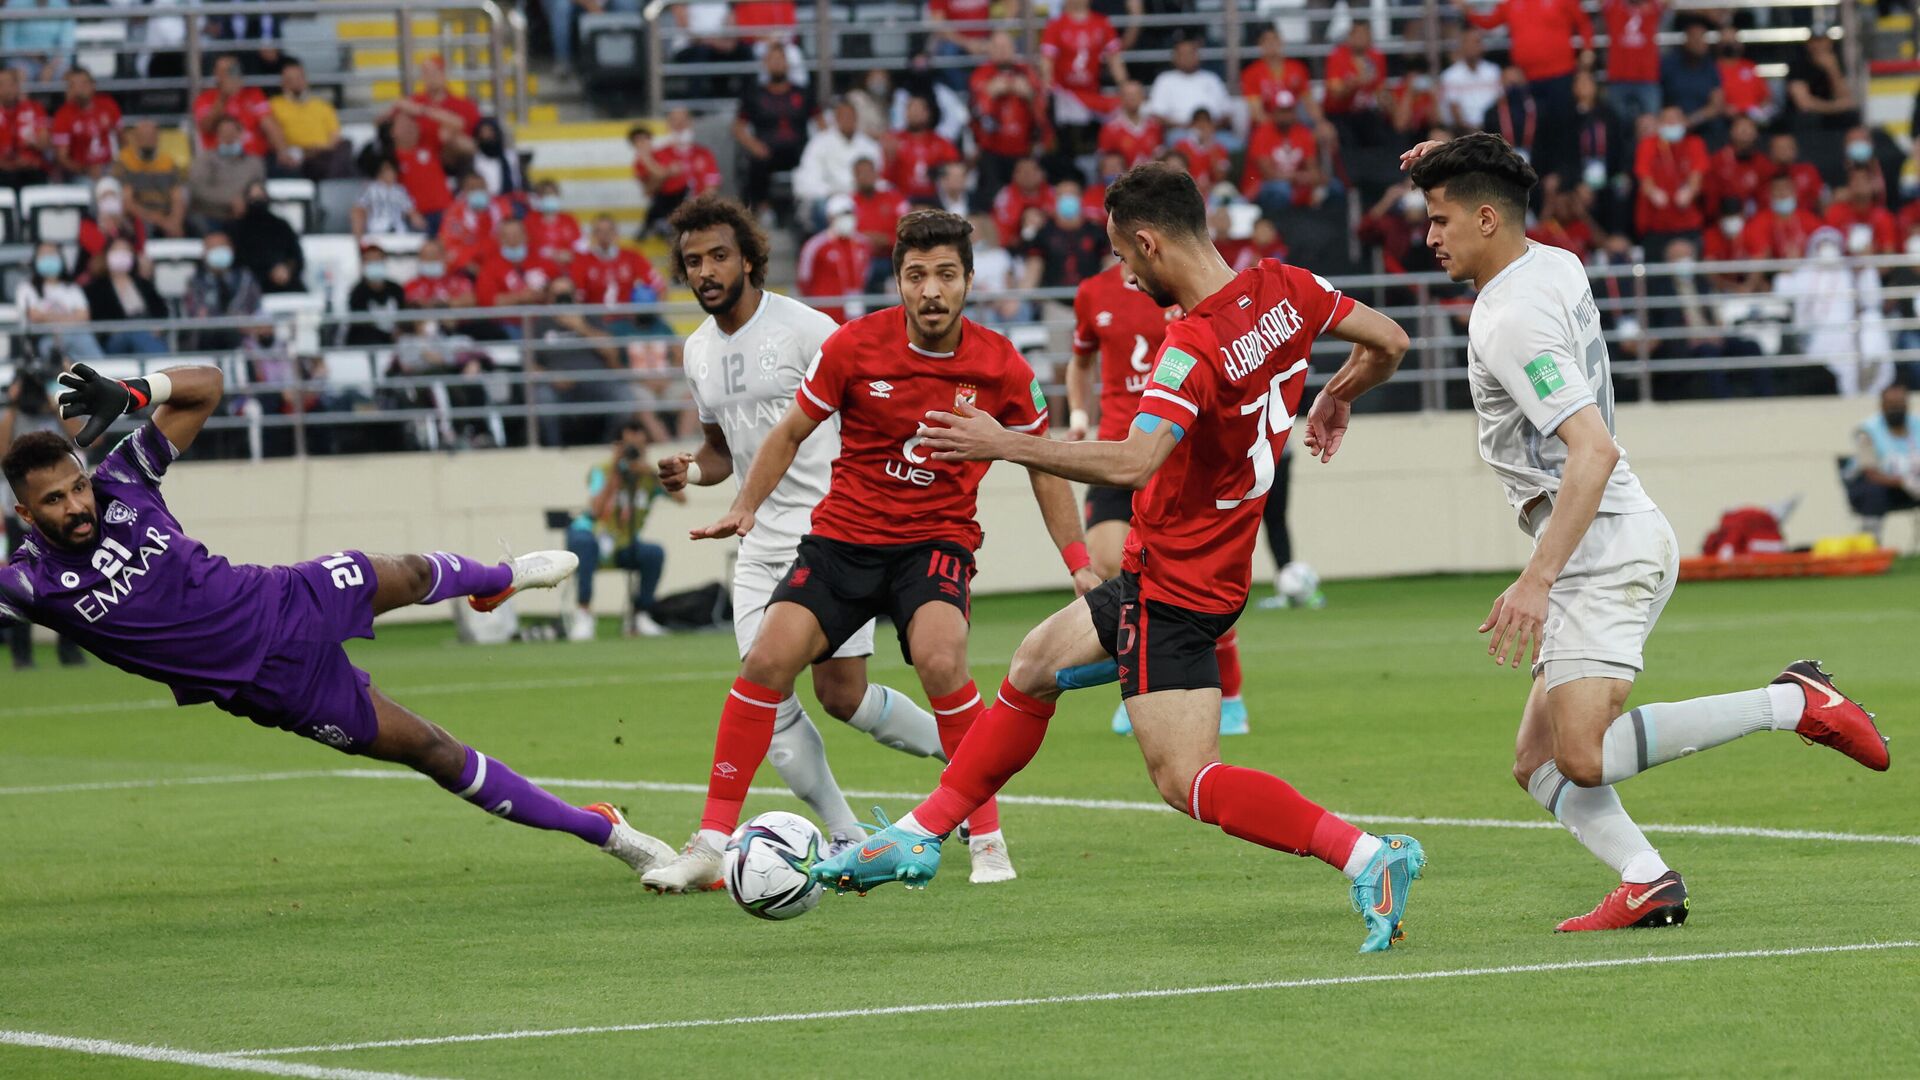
964 396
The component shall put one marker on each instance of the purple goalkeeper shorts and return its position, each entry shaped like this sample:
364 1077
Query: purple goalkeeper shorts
306 684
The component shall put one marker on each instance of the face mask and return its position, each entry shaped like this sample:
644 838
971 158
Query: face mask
1684 264
1894 419
683 138
220 258
258 205
514 254
375 271
1413 201
491 147
231 149
1673 133
1731 226
120 262
148 153
110 206
549 204
1785 206
606 251
1913 245
1860 152
478 200
1067 206
432 269
1825 253
1860 239
48 265
430 328
842 225
1421 84
1595 174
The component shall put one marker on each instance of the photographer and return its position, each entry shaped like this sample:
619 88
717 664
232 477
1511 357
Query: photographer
608 534
30 408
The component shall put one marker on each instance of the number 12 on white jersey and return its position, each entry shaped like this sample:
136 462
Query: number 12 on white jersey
1273 419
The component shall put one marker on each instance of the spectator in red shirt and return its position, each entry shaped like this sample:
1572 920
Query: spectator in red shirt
1207 160
1028 189
949 41
672 168
1565 225
835 262
228 96
877 208
919 152
1075 46
1858 149
447 120
24 134
420 171
1009 115
1397 227
1133 133
512 275
1743 91
553 233
1356 80
1543 33
1283 163
1262 80
1633 57
110 222
84 128
608 272
1781 230
437 285
1739 170
1110 168
1671 167
1867 227
468 226
1783 152
1414 107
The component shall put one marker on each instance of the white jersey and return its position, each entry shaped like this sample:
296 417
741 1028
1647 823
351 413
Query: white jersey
745 382
1535 357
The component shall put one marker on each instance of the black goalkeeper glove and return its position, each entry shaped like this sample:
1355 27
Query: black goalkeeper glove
100 399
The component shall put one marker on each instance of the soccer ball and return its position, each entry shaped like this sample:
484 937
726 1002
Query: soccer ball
1299 586
765 865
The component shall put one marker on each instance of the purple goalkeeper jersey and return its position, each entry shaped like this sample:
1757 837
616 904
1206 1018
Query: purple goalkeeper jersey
144 596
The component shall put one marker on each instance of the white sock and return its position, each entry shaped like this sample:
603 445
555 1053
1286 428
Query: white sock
1655 734
978 839
1364 849
801 759
1595 818
1644 867
912 827
1789 703
715 837
893 719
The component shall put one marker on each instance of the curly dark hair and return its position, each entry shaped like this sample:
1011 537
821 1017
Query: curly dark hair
710 211
32 452
924 230
1158 196
1478 170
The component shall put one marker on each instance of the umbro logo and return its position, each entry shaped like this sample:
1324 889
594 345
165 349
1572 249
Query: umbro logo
1105 318
880 389
120 513
725 768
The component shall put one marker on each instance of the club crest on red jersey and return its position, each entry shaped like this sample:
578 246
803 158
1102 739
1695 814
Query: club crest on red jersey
965 396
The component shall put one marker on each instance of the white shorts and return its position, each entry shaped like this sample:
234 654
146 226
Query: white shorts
753 585
1605 603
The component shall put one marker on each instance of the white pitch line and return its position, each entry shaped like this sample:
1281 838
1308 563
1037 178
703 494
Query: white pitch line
674 788
1076 999
170 1056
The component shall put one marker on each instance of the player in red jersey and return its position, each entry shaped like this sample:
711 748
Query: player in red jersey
1121 327
896 532
1201 454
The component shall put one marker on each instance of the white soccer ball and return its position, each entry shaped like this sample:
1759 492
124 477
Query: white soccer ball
1297 584
765 865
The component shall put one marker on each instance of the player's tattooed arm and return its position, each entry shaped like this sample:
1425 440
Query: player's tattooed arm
769 465
709 465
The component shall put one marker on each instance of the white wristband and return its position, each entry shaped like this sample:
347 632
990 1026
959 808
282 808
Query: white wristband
160 387
1078 418
693 473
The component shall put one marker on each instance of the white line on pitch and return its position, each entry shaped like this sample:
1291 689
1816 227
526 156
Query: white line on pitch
1076 999
673 788
170 1056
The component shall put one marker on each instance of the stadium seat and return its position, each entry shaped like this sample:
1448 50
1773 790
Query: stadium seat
97 42
9 216
350 369
296 318
53 212
333 205
403 254
9 326
333 265
173 264
293 200
359 136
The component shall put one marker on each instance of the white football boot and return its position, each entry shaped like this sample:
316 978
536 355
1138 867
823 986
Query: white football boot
630 845
990 860
534 570
695 869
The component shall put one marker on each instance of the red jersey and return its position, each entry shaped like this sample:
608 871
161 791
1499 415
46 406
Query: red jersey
1664 166
424 179
1807 185
1364 91
768 14
1632 53
917 155
1542 32
1230 375
1008 124
877 212
467 234
1126 327
87 134
447 290
1575 236
598 279
1011 205
1771 236
1730 176
885 488
550 234
963 11
466 110
1206 164
23 129
1289 149
691 169
1743 88
500 276
831 267
1264 84
1138 143
1078 49
1843 215
249 106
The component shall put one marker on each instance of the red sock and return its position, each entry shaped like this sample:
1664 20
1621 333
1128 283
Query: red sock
1006 745
1266 810
1227 652
746 730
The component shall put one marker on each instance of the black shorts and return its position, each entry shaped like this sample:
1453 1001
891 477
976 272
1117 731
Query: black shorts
1159 646
1108 504
845 585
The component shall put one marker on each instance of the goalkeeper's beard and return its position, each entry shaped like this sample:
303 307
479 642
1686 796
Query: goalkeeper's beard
66 537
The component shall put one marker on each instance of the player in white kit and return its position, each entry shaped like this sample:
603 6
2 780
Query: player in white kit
745 363
1604 561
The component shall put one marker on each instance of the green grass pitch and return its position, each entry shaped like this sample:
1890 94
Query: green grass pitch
319 908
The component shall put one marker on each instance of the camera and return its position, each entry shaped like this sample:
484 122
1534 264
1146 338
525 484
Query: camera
35 375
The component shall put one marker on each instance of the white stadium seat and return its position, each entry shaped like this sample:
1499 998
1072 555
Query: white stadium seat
53 212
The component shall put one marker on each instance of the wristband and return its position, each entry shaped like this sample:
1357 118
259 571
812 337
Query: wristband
1076 557
1078 418
693 473
154 389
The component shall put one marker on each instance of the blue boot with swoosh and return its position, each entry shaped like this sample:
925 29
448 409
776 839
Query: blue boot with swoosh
890 854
